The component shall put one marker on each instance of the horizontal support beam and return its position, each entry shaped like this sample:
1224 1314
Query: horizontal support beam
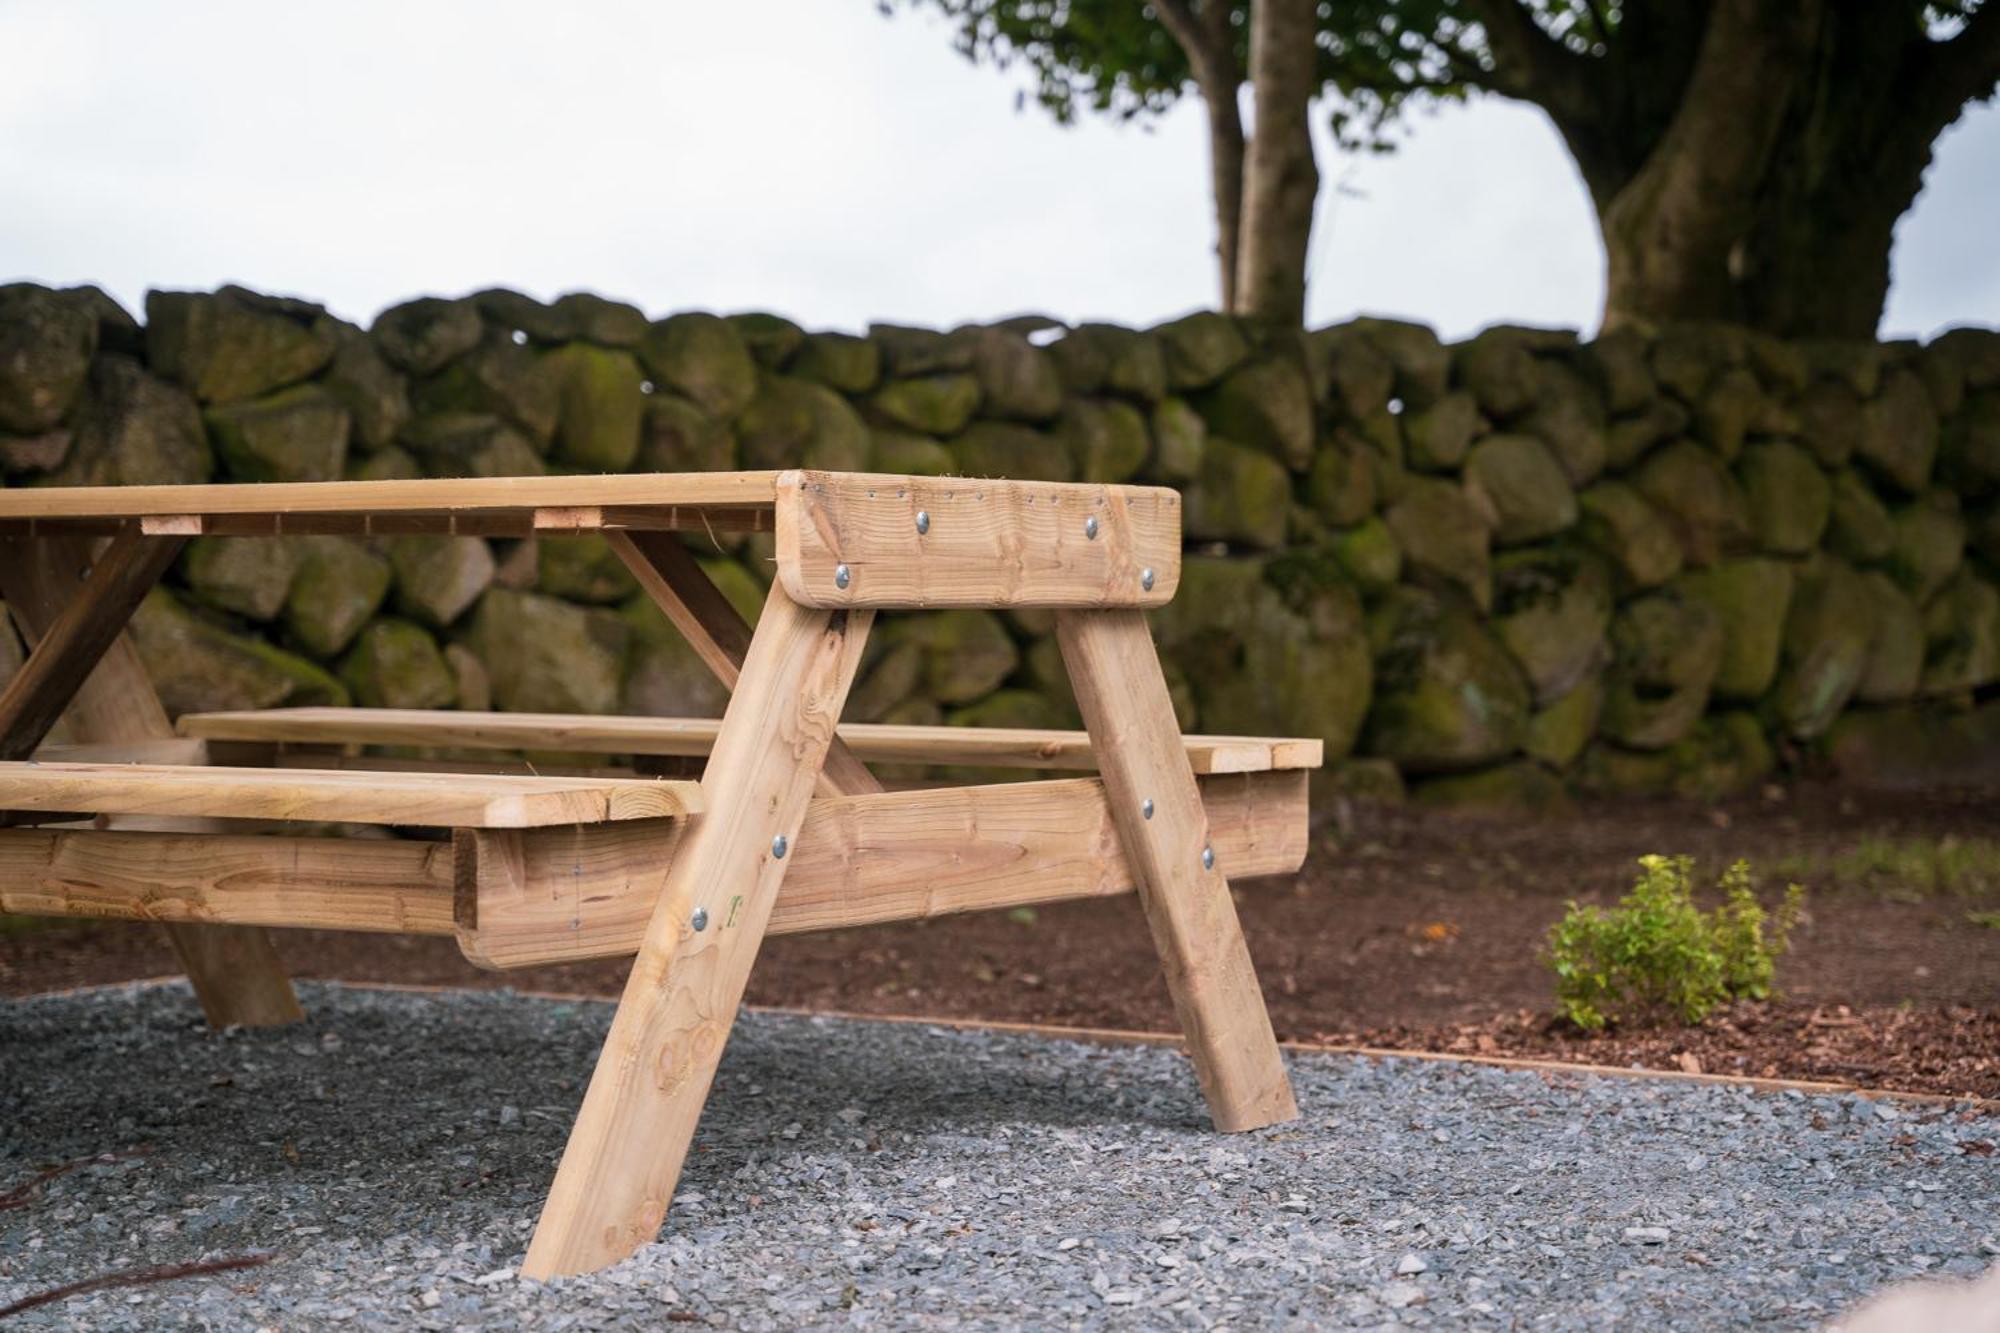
848 539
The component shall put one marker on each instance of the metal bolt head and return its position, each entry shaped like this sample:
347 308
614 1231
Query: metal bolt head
1090 527
1146 578
779 846
840 576
700 919
1146 808
923 521
1208 858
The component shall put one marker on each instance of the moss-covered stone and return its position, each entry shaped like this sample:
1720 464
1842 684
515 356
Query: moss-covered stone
339 585
1295 659
1961 637
424 336
1178 436
377 398
599 405
1443 537
676 435
395 664
1558 732
840 361
913 351
197 666
1666 649
703 359
1618 521
1242 495
437 578
1915 746
1349 371
1341 485
1438 436
1267 404
1551 608
234 343
1789 499
1726 411
773 340
1018 453
1447 694
895 674
1830 421
607 323
1008 708
1568 417
664 676
1859 526
471 686
514 312
547 656
967 654
1969 449
1200 349
906 453
1899 432
1503 791
1094 358
795 423
470 444
1688 355
1929 544
245 575
46 342
582 568
933 404
296 434
1617 362
500 379
1895 664
1422 363
1719 757
1370 556
1518 484
1498 369
1628 439
1828 633
1106 437
1749 598
1017 380
1699 499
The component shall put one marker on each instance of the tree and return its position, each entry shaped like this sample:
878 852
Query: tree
1747 159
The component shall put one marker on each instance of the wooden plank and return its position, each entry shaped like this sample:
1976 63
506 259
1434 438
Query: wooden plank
519 522
169 750
638 1116
469 800
994 747
1158 810
718 635
371 884
235 971
73 641
952 541
566 895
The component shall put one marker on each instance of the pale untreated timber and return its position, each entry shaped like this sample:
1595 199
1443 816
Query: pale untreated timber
994 747
906 542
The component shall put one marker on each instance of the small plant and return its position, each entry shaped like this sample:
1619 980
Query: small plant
1657 953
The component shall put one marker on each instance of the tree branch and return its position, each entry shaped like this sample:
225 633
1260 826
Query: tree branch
1967 67
1533 66
1214 62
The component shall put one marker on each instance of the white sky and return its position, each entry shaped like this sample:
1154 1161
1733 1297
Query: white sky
804 156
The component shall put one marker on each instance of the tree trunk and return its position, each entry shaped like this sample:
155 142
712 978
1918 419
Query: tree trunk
1225 161
1281 180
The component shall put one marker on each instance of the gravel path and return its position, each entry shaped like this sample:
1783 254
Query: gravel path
392 1153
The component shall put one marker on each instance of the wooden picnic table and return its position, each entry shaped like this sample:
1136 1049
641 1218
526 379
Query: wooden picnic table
787 828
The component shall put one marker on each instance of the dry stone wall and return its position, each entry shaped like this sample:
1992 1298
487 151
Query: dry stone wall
1497 572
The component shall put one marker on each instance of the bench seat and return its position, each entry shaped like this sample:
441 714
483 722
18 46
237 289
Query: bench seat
996 747
435 800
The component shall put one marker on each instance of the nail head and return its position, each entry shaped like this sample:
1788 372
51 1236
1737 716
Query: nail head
1146 807
1208 858
778 846
840 576
700 919
1090 527
1146 578
923 521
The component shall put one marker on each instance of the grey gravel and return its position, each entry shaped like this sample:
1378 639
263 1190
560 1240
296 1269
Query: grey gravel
392 1154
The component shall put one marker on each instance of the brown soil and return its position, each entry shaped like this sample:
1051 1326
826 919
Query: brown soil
1407 929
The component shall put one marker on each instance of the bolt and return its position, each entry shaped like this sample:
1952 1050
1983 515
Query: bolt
1090 527
840 576
1146 578
1146 807
923 521
700 919
1208 858
778 846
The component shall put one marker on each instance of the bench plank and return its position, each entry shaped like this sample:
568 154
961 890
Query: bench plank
415 799
998 747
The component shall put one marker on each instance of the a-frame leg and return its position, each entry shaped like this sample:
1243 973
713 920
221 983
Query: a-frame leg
1157 808
72 606
638 1116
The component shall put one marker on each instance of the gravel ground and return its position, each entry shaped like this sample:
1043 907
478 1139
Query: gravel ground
392 1153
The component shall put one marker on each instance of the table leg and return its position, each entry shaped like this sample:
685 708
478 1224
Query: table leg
1158 810
72 608
638 1116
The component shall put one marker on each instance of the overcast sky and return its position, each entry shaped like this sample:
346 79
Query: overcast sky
803 156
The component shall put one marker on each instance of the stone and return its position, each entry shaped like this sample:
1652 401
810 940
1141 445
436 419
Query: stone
599 405
470 684
913 351
1666 649
796 423
424 336
1370 781
773 340
967 654
1242 495
1015 452
1443 536
1178 436
738 586
1349 371
1287 661
245 575
1895 665
1045 667
1929 544
596 319
133 430
1266 404
1830 421
1516 482
1915 747
906 453
35 453
1370 556
582 568
1200 349
199 667
1721 756
1105 436
1859 526
512 312
840 361
702 358
893 676
1422 363
1899 432
1726 411
1788 498
376 396
471 444
1551 608
1698 498
46 342
1569 418
1828 633
1969 448
395 664
1135 366
234 343
1618 521
1780 365
1447 694
1341 485
1976 350
1689 355
1017 380
1558 733
438 578
1438 436
664 676
338 587
1749 598
1617 361
676 435
544 655
933 404
295 434
1854 362
1496 367
1628 439
500 379
1008 708
1521 788
1312 585
1962 637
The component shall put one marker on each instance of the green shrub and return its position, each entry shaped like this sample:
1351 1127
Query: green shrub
1657 954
